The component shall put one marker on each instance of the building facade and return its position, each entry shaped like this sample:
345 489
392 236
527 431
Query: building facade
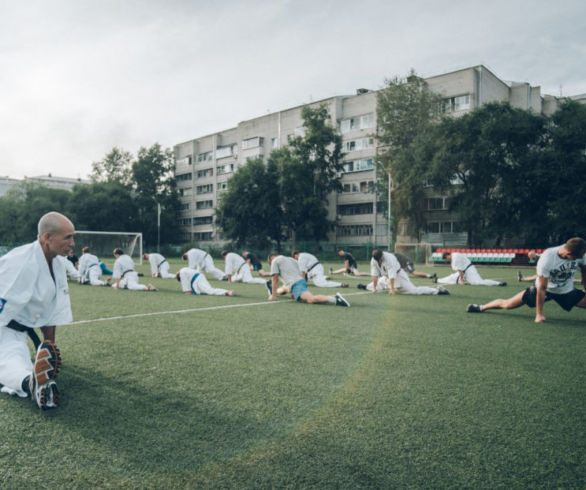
204 165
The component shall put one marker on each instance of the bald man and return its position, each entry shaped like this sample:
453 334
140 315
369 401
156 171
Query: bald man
34 294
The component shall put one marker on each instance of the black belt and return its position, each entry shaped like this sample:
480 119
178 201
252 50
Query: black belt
312 266
161 263
14 325
241 266
126 272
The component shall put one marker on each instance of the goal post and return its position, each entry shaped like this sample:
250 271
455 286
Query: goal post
419 253
102 243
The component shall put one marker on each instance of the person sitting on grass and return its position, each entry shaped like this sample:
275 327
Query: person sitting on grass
255 264
193 282
288 269
350 266
465 272
555 280
159 265
124 274
387 273
311 269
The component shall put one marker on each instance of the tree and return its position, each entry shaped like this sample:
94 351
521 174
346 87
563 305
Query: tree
116 166
154 184
309 170
406 111
249 211
103 206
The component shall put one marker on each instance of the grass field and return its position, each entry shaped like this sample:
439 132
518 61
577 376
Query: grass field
395 392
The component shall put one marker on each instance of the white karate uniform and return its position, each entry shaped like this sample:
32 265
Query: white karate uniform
160 265
90 270
460 262
197 283
30 296
124 270
202 261
309 264
390 268
72 272
237 267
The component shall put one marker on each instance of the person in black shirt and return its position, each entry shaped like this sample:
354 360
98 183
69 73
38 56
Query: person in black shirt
350 266
255 264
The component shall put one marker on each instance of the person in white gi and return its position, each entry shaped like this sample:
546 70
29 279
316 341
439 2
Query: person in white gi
124 274
387 273
314 271
465 271
72 272
194 282
555 280
89 269
202 261
237 270
159 265
34 294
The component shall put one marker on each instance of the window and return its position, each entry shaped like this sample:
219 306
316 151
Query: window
354 230
205 236
366 186
358 165
355 123
204 204
222 186
203 220
359 144
204 189
184 206
352 209
184 161
454 104
185 221
436 203
188 191
300 131
225 169
208 172
252 142
223 152
274 142
443 227
183 177
204 157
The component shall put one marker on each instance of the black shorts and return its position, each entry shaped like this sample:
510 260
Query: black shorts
409 267
566 301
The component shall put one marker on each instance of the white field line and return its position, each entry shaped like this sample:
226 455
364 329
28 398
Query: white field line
175 312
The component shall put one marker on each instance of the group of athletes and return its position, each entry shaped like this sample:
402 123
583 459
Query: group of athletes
34 290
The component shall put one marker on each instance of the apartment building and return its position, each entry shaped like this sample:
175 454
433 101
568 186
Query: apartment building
204 165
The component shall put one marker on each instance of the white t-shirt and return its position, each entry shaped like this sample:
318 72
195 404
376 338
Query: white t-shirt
306 261
28 293
122 265
460 261
287 268
233 264
559 272
389 266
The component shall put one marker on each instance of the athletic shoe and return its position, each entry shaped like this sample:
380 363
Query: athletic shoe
502 284
344 285
150 287
45 369
361 286
442 290
519 276
434 278
474 309
269 287
340 301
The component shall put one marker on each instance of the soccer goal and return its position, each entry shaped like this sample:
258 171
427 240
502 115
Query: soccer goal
419 253
102 243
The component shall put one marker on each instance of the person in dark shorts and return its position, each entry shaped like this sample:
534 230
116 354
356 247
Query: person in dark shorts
255 264
408 266
555 281
350 266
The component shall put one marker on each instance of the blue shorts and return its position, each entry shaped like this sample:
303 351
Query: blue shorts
299 288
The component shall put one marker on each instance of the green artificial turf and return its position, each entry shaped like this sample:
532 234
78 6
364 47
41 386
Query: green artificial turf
394 392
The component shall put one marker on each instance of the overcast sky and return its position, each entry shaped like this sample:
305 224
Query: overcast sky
79 77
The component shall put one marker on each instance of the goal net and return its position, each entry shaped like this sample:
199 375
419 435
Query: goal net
419 253
102 243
